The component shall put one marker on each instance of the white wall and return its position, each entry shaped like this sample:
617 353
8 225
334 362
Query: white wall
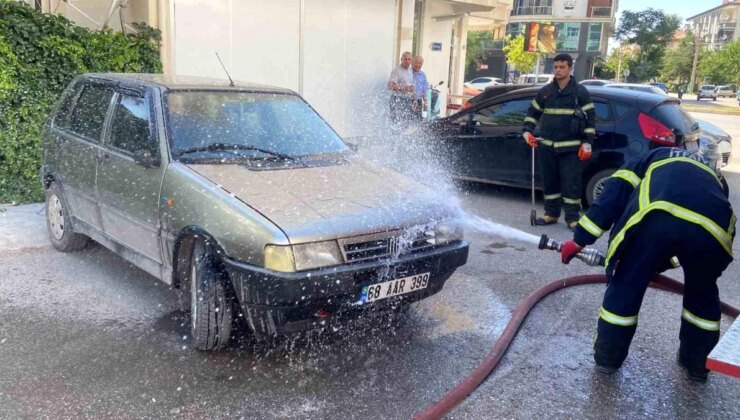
579 10
348 51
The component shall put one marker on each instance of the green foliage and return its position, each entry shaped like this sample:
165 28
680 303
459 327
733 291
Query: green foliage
609 68
516 56
650 29
677 63
474 51
723 66
39 56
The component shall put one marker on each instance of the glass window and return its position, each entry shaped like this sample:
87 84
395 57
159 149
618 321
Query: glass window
277 122
504 113
89 114
515 29
131 129
602 113
621 110
594 37
61 119
568 34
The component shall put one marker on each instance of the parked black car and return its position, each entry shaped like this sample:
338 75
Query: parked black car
484 142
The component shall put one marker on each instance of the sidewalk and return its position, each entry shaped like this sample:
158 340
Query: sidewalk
23 227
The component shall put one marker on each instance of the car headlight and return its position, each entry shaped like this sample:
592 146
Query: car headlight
287 258
447 232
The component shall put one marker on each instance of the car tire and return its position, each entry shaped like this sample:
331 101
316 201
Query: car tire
211 300
595 185
59 222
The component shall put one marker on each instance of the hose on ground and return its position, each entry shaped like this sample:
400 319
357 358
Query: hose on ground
469 384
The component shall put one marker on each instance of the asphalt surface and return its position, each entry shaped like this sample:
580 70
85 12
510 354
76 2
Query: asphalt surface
88 335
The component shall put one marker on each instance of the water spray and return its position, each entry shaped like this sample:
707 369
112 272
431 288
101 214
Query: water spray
589 256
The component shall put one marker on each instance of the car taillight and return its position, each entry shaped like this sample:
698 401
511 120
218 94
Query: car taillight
655 131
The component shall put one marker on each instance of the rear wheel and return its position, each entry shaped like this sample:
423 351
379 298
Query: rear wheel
59 222
596 183
211 300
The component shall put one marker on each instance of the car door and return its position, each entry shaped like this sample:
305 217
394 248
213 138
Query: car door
77 141
490 144
130 175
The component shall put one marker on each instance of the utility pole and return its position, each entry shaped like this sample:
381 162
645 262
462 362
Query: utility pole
619 64
692 82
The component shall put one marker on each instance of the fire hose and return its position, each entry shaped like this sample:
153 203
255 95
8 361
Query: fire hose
477 376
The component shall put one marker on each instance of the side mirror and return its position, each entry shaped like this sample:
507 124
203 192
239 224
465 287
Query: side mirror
146 159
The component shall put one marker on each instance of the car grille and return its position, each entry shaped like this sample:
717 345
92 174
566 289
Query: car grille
387 245
726 158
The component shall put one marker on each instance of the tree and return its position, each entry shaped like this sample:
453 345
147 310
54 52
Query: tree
609 68
516 56
723 66
650 29
474 51
677 63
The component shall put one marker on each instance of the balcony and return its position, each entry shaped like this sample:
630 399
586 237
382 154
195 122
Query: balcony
601 11
532 11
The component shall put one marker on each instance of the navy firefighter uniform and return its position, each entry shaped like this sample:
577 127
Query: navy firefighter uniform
563 133
667 204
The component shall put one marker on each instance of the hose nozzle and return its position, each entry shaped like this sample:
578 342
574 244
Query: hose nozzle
589 256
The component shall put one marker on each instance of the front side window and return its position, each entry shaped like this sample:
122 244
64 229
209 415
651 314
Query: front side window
594 37
89 115
568 34
279 123
504 113
603 115
131 125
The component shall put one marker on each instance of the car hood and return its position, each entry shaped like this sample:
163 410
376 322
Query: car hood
329 202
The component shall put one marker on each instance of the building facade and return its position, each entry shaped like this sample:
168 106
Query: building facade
338 54
583 28
717 26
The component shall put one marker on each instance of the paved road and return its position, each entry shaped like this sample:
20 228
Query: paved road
88 335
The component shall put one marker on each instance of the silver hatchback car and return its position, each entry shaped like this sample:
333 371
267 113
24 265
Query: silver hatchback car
244 197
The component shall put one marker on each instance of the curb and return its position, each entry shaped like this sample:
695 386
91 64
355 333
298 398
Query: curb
711 110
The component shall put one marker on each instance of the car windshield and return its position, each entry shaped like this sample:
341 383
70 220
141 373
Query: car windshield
707 87
252 124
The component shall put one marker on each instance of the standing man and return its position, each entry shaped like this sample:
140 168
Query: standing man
670 203
421 84
401 85
566 116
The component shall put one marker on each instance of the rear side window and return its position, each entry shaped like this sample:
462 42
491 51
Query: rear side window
89 114
61 119
674 117
620 110
130 128
603 115
504 113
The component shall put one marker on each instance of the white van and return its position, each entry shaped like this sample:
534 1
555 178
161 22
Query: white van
530 79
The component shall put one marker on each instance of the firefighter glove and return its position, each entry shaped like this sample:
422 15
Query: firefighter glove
530 139
584 153
569 251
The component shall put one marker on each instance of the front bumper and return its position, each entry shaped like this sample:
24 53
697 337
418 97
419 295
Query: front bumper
283 303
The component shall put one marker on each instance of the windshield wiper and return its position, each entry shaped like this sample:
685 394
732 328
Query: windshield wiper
217 147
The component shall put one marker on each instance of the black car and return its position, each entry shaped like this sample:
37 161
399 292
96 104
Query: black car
484 142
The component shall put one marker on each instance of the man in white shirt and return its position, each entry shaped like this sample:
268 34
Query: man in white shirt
401 85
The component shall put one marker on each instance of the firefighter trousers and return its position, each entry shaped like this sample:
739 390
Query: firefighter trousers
655 240
562 179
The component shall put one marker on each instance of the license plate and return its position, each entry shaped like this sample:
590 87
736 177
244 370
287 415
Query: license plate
395 287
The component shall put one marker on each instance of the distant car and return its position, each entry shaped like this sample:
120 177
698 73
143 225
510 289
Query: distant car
481 83
726 91
660 86
638 87
484 143
245 198
595 82
707 91
532 79
710 132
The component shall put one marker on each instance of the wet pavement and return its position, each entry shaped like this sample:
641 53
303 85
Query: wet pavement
89 335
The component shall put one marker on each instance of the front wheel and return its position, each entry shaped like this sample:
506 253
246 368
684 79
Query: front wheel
596 184
211 300
59 222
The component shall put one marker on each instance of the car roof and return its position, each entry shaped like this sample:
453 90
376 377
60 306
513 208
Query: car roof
172 82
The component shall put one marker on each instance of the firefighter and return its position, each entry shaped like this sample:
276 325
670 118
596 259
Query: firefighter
566 116
667 208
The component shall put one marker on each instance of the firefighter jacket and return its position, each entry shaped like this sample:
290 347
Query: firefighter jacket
669 180
555 110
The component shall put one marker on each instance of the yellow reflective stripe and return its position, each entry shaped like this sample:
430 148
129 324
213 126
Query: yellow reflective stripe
589 131
622 321
731 227
558 111
567 143
536 105
588 106
720 235
530 119
590 226
552 197
546 142
702 323
567 200
674 262
645 187
628 176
